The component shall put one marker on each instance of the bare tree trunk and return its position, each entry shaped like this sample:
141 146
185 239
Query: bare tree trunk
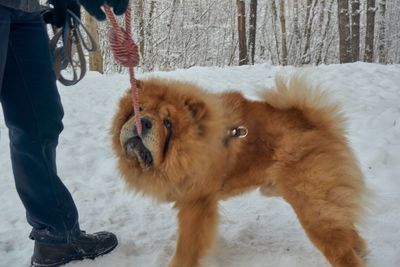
307 31
296 20
140 22
325 32
96 57
381 33
322 32
294 45
149 37
233 44
252 29
328 46
322 14
167 62
274 12
282 20
344 31
243 60
355 30
370 31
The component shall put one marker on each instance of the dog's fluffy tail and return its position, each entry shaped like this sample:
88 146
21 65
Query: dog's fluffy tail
298 92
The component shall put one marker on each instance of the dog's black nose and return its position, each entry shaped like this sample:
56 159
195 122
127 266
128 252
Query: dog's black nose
146 124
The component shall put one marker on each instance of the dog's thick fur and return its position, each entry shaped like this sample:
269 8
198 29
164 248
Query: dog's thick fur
295 148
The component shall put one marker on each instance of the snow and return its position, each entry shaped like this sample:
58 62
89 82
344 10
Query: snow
255 231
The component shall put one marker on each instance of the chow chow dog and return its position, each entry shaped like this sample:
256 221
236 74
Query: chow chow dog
197 148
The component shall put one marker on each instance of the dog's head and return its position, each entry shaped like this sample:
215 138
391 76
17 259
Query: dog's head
181 135
168 121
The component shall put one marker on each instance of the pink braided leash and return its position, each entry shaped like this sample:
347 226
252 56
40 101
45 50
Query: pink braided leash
126 53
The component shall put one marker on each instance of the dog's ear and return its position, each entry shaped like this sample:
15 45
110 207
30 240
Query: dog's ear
197 108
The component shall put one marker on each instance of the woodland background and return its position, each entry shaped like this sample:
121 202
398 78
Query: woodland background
175 34
254 231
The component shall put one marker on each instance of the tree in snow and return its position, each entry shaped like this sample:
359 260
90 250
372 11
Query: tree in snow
344 31
381 32
310 8
355 30
370 31
282 20
252 29
243 60
180 34
96 57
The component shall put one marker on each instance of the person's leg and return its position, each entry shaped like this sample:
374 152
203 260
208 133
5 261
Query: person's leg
5 21
33 114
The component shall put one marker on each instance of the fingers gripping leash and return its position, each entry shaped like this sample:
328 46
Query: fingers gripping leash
126 53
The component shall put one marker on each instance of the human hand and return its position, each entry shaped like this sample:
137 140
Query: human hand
94 7
59 12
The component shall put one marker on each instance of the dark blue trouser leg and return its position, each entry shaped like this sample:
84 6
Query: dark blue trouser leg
33 114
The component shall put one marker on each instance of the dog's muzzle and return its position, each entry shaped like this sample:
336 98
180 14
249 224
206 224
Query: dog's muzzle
134 148
132 143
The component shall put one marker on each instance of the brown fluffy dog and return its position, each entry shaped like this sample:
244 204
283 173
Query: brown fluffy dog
198 148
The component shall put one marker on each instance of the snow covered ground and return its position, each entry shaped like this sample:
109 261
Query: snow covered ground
255 231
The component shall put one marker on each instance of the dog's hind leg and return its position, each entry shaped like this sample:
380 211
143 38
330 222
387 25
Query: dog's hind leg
339 245
337 239
198 221
328 208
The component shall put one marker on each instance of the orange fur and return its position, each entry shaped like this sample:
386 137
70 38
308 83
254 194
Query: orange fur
295 148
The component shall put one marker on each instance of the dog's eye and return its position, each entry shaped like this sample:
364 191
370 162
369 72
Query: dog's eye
140 109
167 123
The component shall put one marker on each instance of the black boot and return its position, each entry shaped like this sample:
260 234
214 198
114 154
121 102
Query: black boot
85 247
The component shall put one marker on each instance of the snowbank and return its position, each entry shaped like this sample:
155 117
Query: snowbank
255 231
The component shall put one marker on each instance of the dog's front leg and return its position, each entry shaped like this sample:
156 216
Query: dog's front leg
198 221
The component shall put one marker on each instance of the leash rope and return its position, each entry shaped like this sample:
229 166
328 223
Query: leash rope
126 53
68 44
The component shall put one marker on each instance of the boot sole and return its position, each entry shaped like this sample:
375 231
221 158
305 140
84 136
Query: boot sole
74 258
